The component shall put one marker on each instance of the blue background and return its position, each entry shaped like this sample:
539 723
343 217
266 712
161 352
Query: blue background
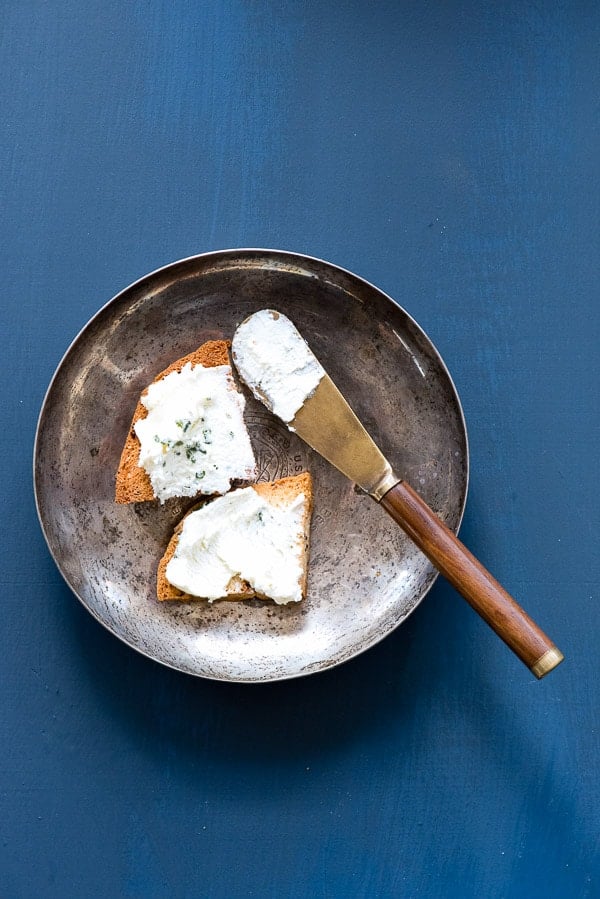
447 151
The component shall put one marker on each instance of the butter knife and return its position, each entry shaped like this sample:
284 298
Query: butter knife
276 363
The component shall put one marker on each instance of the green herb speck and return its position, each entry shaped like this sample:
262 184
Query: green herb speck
191 450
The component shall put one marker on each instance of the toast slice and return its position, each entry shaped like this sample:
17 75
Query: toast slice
279 496
133 482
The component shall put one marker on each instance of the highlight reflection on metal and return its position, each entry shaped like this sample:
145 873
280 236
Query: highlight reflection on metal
365 575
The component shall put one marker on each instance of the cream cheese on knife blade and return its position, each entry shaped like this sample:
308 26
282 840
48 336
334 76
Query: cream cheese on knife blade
274 360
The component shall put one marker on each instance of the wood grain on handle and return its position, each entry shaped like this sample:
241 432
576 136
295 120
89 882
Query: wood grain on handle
470 578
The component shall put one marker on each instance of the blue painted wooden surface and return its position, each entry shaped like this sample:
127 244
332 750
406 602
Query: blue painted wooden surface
447 151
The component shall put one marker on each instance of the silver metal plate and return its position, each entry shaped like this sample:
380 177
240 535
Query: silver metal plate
365 575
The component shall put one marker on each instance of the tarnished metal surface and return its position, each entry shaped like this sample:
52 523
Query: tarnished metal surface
365 575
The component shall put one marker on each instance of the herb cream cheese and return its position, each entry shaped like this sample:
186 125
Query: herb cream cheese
193 438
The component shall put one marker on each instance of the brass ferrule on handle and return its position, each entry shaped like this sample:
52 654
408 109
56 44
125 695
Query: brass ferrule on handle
388 480
469 577
547 662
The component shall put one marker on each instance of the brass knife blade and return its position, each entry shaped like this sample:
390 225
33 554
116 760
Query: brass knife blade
327 423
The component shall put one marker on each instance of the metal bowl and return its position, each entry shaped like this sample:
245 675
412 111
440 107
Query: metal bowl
365 575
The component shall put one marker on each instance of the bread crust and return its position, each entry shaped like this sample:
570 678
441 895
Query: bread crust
279 492
132 484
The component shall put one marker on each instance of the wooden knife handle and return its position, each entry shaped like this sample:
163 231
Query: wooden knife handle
470 578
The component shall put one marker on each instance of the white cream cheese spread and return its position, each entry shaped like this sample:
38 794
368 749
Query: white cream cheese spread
193 439
275 362
241 534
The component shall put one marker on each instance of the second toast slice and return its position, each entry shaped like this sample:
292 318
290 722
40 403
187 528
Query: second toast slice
252 542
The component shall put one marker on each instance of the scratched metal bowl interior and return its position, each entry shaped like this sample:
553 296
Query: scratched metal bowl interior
365 575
